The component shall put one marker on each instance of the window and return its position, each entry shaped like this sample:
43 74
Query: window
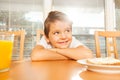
22 14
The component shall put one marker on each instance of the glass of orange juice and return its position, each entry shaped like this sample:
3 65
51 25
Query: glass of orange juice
6 46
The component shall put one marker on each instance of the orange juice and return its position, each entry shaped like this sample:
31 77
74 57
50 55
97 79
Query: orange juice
5 53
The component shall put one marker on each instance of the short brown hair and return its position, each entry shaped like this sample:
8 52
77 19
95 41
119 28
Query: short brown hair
52 17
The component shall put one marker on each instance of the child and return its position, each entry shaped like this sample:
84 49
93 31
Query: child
57 42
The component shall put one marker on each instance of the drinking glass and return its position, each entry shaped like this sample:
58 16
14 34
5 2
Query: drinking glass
6 46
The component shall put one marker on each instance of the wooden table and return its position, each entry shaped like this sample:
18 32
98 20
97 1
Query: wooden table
53 70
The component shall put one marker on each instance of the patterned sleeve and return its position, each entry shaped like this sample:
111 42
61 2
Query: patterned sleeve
44 43
75 43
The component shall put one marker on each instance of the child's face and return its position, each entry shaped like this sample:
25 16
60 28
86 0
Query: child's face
60 35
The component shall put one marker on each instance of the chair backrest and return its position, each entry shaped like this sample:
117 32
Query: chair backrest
21 35
110 42
38 35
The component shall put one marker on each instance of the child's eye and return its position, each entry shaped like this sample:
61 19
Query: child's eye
67 30
55 33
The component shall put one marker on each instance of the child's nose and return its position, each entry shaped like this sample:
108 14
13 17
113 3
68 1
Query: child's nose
63 36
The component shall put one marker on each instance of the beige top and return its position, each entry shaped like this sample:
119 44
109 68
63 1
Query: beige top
75 43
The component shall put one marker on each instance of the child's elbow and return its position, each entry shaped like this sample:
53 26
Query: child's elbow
33 58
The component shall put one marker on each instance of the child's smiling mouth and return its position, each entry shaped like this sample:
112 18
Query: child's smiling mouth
63 42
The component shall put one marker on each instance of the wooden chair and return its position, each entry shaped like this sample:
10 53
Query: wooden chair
21 35
38 35
110 42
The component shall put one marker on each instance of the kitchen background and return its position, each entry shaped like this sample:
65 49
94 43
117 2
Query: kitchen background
87 16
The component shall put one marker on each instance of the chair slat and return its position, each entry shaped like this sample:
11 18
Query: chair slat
111 46
38 35
21 35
